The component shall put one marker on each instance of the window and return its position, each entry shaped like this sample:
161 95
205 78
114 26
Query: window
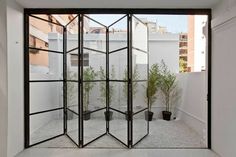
74 59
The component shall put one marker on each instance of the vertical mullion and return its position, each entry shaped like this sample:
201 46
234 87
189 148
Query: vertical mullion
81 80
129 70
79 126
131 83
65 79
26 82
128 29
148 75
107 80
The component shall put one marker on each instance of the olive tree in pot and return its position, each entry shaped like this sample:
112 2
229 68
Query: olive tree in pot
102 76
135 77
168 89
88 75
152 88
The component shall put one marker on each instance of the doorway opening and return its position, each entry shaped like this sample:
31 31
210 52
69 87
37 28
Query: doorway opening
87 78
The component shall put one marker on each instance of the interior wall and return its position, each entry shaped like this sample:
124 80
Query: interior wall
3 79
223 78
15 78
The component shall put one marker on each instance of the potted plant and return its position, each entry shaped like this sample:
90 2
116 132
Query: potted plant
135 76
168 89
102 76
152 88
88 75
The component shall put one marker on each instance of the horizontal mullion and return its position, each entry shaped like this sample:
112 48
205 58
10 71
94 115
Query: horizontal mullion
93 80
72 110
45 111
46 140
117 21
90 49
71 140
117 110
117 139
139 20
140 111
94 111
32 81
45 50
95 21
118 50
72 20
118 80
139 50
77 81
140 140
45 20
94 139
73 50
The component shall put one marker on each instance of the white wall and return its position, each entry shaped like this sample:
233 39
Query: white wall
166 47
192 109
3 79
223 79
15 78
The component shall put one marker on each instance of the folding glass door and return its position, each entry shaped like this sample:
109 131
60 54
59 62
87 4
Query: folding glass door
44 111
88 85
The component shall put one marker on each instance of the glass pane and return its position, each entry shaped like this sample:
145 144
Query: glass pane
94 65
94 35
72 65
45 96
118 35
45 35
118 126
94 96
72 34
45 66
45 125
118 65
63 19
140 126
72 126
140 65
139 34
139 96
72 96
95 126
118 95
106 19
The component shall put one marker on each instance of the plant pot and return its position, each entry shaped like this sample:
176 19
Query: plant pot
166 115
148 115
108 115
86 115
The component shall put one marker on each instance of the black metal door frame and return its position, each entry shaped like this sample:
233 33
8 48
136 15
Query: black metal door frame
27 81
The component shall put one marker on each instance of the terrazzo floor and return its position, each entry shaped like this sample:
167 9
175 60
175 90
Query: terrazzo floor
163 134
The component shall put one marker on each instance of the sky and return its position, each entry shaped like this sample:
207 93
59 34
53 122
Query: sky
174 23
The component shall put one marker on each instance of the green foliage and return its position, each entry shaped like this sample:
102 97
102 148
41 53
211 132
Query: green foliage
135 76
168 86
71 87
102 76
88 75
153 84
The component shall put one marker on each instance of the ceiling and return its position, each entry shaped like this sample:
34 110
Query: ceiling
118 3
